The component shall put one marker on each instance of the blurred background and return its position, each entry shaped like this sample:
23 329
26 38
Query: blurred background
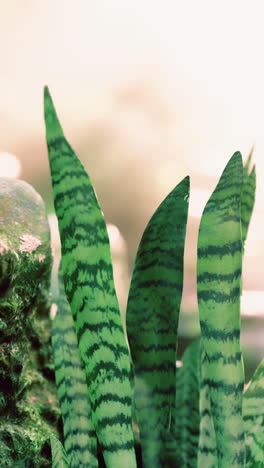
147 92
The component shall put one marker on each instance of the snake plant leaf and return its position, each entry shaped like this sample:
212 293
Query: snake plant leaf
187 419
89 286
218 284
152 321
59 457
253 412
79 435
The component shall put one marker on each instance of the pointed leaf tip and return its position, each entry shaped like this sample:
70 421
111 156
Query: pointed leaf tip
47 97
236 156
232 171
46 90
181 190
53 126
186 181
184 184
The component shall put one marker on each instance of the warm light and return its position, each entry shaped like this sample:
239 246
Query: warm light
254 241
211 161
116 240
53 311
198 200
9 165
252 303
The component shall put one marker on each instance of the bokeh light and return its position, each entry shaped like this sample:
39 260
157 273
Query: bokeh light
10 165
147 92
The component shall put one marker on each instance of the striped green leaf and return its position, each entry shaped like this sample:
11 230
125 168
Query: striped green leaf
59 457
79 434
218 283
187 406
152 321
253 412
89 286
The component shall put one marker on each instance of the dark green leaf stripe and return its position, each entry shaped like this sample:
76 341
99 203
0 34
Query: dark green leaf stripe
253 413
222 378
187 406
79 434
59 457
230 248
89 285
206 276
152 321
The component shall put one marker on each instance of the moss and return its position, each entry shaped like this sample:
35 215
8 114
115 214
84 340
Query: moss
28 405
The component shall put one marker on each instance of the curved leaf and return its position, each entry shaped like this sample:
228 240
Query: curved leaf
152 320
218 282
89 286
79 434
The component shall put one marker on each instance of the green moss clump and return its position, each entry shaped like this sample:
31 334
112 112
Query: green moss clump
28 405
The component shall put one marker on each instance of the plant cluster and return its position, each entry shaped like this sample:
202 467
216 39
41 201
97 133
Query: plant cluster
199 415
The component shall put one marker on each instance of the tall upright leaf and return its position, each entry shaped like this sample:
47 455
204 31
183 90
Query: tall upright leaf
89 286
253 412
187 406
218 282
79 434
152 321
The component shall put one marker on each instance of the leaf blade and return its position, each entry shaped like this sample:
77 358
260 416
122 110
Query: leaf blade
218 278
89 285
152 320
79 433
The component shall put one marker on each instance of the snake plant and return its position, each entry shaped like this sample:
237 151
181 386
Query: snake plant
198 415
